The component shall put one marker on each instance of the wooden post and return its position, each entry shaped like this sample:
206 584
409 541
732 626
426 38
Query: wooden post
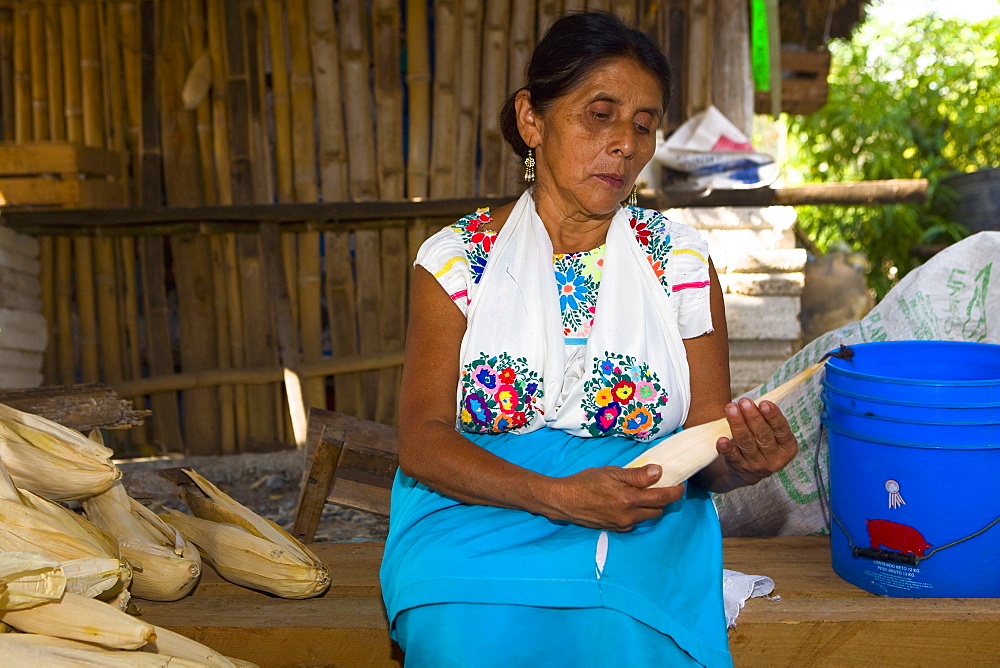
7 83
152 167
418 82
731 65
282 102
53 62
355 62
259 145
90 70
197 26
63 288
326 76
39 73
388 98
469 72
22 75
132 69
444 119
288 343
699 55
83 260
221 175
159 351
238 94
522 34
341 305
495 155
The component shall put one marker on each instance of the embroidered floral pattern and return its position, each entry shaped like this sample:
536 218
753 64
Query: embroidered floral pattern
478 240
578 275
650 230
622 397
499 393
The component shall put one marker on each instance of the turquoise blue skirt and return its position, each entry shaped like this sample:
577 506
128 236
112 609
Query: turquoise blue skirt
528 588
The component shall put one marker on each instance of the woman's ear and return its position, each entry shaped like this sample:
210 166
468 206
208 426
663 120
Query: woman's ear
528 122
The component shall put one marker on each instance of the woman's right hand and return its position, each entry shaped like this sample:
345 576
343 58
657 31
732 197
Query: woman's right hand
610 497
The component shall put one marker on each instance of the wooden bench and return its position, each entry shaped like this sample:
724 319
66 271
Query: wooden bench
820 619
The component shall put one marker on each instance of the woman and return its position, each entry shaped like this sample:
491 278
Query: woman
576 332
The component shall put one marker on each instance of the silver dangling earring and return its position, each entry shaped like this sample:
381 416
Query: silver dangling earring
633 196
529 167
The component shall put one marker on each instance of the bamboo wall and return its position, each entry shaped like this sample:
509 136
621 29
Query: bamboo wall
240 102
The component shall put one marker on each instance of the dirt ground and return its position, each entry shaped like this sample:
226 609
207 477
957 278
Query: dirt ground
268 483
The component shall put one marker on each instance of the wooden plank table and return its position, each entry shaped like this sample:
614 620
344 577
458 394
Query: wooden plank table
820 620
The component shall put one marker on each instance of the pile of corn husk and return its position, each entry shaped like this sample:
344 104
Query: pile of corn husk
66 579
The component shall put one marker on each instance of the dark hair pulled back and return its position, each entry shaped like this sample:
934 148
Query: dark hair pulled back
569 52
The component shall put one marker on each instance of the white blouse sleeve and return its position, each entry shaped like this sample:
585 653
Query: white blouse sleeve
444 256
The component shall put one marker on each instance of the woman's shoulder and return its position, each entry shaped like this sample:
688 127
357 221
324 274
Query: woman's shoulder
456 254
663 238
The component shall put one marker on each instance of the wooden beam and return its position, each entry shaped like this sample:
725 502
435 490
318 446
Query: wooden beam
81 407
863 193
257 375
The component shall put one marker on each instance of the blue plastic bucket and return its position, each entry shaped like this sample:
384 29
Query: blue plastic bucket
915 468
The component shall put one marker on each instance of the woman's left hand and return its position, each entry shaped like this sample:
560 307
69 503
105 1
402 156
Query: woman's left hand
762 441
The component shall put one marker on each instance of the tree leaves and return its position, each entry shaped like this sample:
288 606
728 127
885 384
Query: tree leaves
921 100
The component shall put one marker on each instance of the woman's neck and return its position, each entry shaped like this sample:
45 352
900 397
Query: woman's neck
571 231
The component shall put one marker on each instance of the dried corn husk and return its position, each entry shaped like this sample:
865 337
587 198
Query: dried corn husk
165 567
247 549
28 579
251 561
174 644
687 452
76 617
52 460
90 558
29 650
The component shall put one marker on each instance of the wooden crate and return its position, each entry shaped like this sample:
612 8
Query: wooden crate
803 83
61 174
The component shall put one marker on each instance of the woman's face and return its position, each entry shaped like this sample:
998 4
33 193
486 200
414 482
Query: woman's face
592 142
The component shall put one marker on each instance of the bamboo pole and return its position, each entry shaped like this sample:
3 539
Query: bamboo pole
494 92
39 73
203 111
259 150
302 107
221 175
698 82
234 337
180 163
159 351
388 98
340 303
259 336
355 61
46 258
730 44
54 83
238 104
444 119
281 102
90 69
83 258
7 84
107 305
72 76
227 408
469 72
598 5
369 298
115 80
128 306
418 82
63 288
256 376
326 75
394 271
132 69
151 171
22 75
574 6
522 32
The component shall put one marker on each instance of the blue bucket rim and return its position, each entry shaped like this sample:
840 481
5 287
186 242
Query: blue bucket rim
829 387
825 420
831 399
831 363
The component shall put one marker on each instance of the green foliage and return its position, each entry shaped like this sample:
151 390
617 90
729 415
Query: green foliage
920 100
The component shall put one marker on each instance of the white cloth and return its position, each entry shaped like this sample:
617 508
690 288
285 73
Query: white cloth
738 587
514 310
